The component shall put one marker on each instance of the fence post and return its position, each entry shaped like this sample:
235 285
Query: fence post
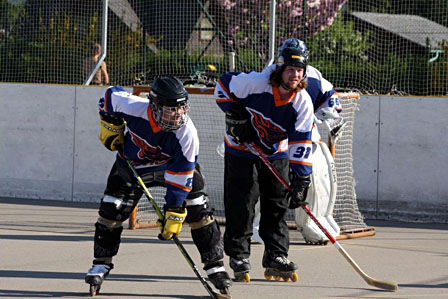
271 33
231 61
103 44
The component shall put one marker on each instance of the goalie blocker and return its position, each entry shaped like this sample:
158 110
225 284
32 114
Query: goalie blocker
321 198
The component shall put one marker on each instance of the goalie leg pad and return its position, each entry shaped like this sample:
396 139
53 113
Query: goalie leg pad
107 240
321 197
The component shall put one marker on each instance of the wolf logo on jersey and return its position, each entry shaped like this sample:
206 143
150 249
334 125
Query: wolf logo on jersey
266 129
153 154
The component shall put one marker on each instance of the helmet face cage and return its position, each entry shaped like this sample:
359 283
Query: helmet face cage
171 118
293 52
169 103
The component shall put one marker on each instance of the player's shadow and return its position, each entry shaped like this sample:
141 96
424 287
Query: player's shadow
55 294
424 285
80 277
77 238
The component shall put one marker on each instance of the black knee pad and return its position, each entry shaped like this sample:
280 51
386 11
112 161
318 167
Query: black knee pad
107 241
123 187
117 209
198 188
209 242
198 212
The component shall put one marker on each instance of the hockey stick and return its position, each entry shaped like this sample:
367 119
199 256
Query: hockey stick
182 249
385 285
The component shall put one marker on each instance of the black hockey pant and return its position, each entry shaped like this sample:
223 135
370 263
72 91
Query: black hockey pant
246 180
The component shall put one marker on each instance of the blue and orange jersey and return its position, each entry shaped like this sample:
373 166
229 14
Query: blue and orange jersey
283 126
152 149
320 89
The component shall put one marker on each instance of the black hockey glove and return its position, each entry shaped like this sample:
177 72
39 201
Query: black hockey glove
238 126
299 190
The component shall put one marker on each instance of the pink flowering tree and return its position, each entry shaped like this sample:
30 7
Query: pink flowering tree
247 21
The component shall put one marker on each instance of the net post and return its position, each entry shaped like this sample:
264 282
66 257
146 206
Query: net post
133 219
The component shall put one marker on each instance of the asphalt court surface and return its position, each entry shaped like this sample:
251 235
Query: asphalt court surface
46 248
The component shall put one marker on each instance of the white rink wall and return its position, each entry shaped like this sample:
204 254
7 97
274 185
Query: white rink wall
49 147
401 157
49 150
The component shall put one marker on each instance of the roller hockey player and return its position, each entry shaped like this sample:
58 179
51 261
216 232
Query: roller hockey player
162 143
322 192
275 113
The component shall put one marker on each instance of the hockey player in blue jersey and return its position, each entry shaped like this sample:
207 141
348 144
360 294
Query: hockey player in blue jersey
162 143
274 111
322 193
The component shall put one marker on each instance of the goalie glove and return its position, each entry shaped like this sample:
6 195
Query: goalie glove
111 132
332 120
172 223
299 190
336 129
238 126
326 113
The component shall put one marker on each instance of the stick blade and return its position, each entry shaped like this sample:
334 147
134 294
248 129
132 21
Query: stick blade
391 286
221 296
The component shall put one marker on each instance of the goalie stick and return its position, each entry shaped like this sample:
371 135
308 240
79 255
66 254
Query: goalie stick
385 285
182 249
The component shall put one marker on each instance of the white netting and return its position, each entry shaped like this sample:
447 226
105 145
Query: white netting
210 123
373 46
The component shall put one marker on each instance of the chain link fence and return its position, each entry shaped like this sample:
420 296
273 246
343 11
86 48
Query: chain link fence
375 47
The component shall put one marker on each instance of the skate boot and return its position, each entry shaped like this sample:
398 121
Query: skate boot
96 275
279 267
241 269
221 280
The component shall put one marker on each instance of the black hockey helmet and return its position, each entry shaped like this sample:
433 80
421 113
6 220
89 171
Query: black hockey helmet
293 52
169 103
168 91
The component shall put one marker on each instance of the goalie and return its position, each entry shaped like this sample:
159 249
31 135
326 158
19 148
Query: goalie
322 192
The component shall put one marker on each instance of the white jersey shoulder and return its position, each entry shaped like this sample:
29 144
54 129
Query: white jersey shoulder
314 74
126 102
189 140
242 85
304 106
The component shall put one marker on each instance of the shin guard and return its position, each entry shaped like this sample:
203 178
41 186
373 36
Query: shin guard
209 242
107 241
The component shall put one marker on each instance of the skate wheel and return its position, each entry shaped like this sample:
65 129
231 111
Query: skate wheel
278 278
286 279
268 277
246 277
243 277
295 277
94 290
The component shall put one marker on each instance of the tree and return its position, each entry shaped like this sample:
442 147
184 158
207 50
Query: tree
294 18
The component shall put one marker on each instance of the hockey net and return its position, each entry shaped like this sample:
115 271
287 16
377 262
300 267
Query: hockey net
209 121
